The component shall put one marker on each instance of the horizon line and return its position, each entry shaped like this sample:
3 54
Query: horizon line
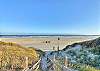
47 35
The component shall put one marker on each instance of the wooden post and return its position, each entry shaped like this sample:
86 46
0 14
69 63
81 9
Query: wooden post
58 48
12 61
54 66
53 48
58 45
66 61
54 58
26 62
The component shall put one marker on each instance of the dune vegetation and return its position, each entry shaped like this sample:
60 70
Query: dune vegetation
14 55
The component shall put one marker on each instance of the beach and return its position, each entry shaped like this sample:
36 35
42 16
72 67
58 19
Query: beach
47 43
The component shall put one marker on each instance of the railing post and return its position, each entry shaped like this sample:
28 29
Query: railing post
26 62
66 61
54 66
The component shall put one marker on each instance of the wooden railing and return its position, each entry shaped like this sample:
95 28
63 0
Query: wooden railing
55 64
34 67
59 67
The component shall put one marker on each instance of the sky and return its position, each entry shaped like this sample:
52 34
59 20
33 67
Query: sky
50 16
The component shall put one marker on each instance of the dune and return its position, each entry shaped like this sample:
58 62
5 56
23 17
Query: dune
12 54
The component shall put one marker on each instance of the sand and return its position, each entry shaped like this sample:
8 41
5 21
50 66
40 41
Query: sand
47 43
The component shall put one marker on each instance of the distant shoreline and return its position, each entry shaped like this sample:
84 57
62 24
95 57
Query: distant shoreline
48 35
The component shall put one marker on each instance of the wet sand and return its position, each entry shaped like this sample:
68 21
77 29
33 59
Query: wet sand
48 42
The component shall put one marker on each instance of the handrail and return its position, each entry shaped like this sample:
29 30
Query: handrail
62 67
56 63
34 66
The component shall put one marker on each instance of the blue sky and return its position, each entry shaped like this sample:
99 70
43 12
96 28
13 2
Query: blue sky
50 16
